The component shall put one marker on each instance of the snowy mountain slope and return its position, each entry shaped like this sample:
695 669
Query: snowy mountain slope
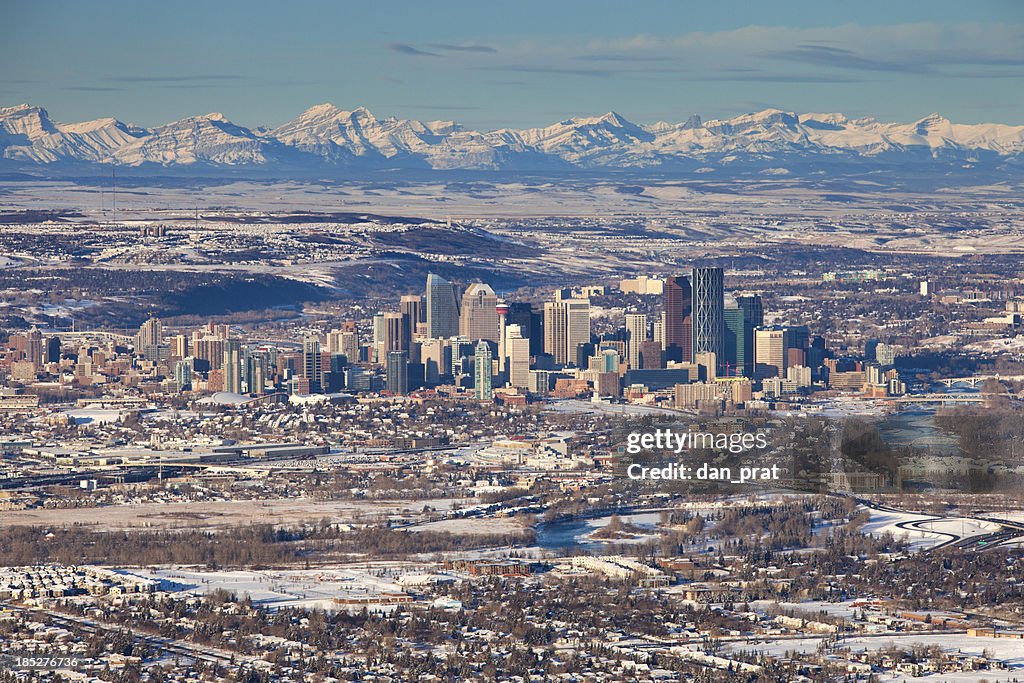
28 133
208 139
325 136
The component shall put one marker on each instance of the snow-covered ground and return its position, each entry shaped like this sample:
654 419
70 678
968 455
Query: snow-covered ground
1015 345
95 415
925 531
473 525
1009 650
224 514
835 609
315 588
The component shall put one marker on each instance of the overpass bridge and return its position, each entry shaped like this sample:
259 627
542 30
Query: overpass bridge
953 398
96 334
975 380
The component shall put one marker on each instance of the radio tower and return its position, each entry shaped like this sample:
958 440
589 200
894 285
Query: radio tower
113 182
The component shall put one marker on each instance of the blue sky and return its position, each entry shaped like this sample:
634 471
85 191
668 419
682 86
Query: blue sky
517 63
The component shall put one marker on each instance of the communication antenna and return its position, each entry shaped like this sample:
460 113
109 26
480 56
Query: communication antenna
113 181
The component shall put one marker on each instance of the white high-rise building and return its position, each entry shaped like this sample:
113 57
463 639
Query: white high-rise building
379 339
518 349
312 367
566 326
770 352
150 334
436 358
334 341
636 332
658 330
232 366
577 325
554 330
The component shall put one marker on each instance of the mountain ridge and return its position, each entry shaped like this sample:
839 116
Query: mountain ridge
325 136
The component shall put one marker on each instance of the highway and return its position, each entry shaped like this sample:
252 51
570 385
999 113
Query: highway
1008 530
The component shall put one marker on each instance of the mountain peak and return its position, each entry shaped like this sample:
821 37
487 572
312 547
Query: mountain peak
321 109
933 119
611 118
27 120
693 122
934 124
772 115
18 108
614 118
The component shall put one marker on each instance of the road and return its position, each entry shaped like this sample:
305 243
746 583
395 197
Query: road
1008 530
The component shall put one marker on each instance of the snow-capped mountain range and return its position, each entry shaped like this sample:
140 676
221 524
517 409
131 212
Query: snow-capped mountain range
325 137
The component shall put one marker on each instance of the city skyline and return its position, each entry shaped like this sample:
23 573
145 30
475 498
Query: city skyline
402 355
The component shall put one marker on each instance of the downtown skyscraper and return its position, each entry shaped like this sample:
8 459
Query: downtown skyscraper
483 375
312 366
636 334
708 312
232 366
479 317
676 326
566 326
397 372
442 308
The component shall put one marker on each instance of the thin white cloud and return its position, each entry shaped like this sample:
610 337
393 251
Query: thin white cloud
922 49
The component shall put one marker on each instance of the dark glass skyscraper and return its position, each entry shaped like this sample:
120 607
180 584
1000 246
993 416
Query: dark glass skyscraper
753 308
737 341
398 372
530 322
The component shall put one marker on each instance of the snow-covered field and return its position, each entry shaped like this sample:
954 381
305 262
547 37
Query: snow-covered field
300 588
95 415
1015 345
473 525
224 513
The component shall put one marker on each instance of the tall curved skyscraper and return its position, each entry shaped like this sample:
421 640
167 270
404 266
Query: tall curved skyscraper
442 308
